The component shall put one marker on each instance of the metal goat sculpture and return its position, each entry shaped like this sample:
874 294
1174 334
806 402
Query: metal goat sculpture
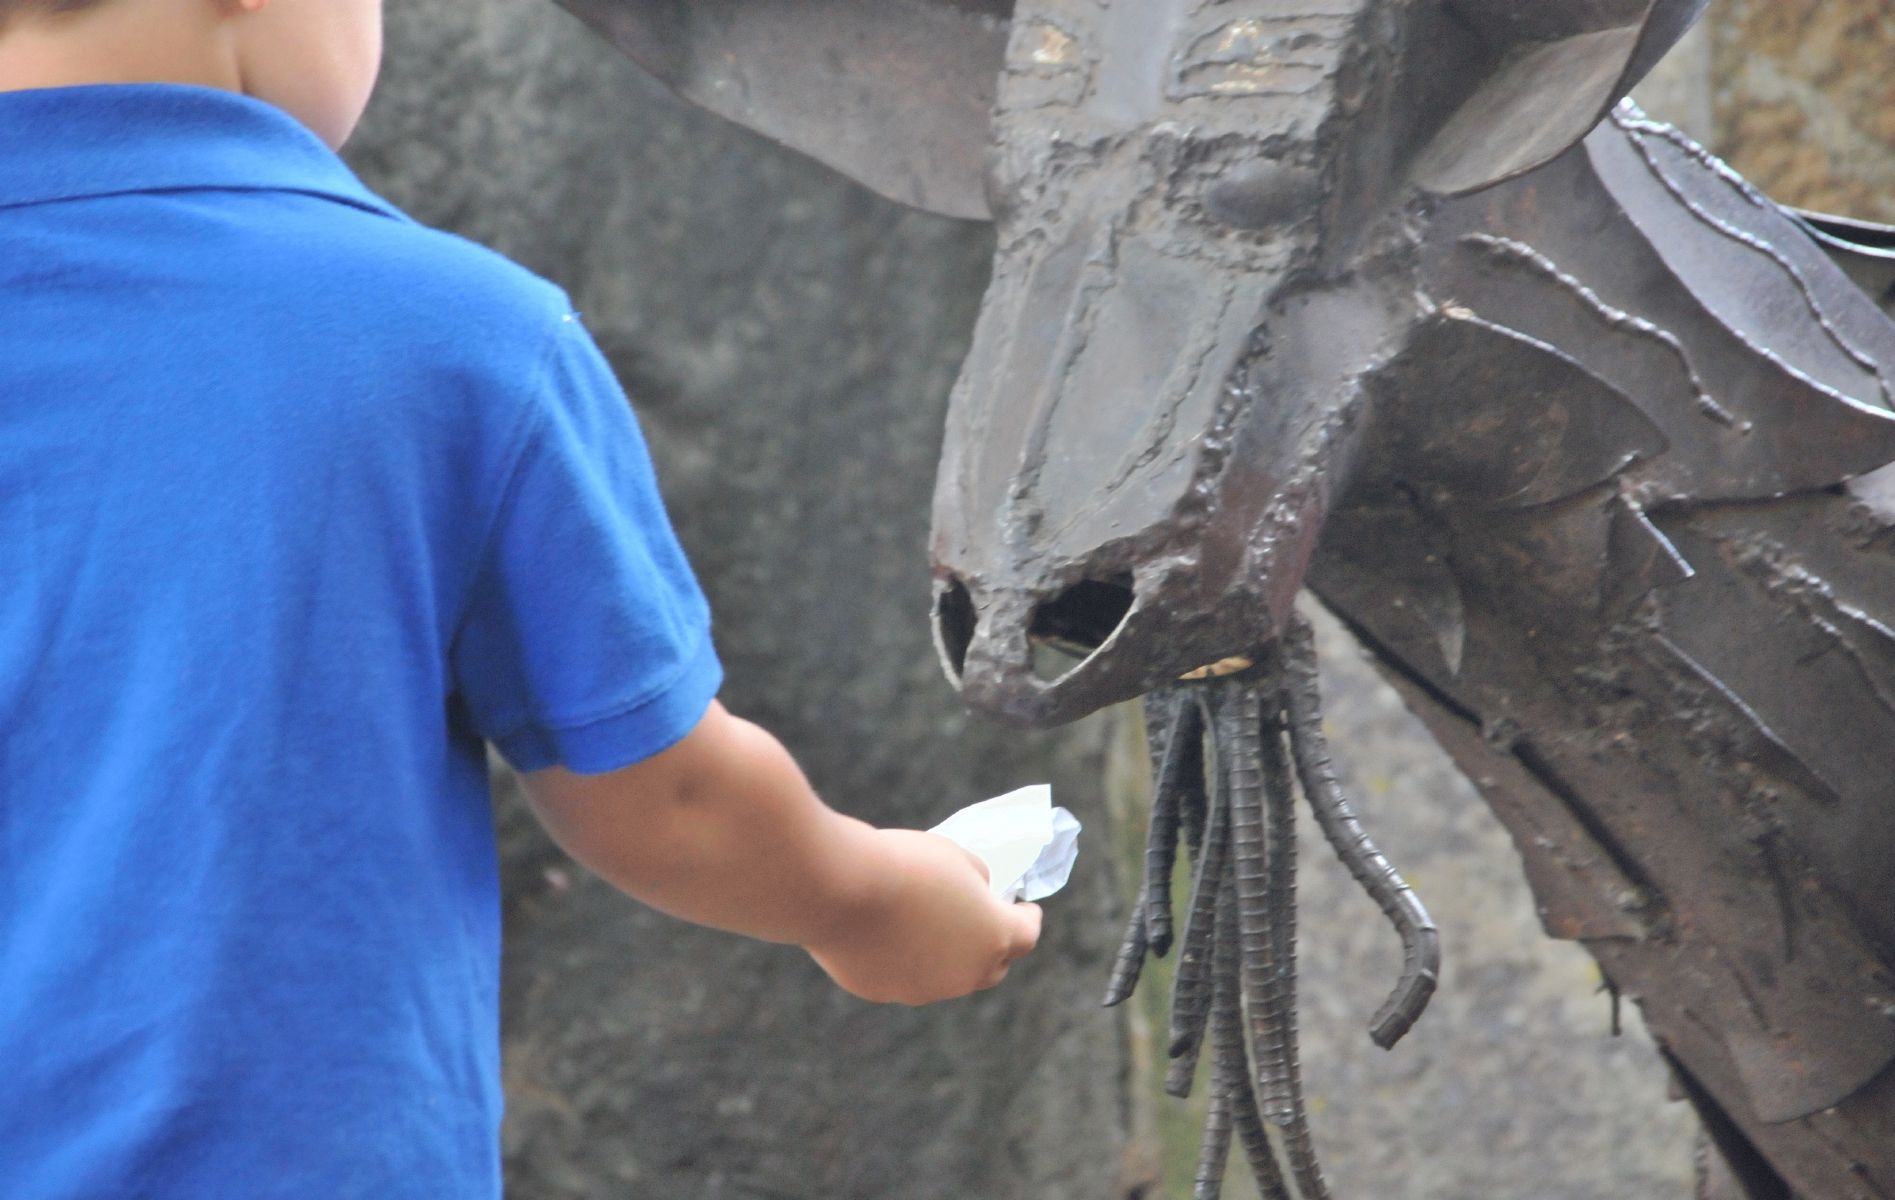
1394 300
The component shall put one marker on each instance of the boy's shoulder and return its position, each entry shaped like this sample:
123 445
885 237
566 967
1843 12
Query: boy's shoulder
228 198
416 281
417 326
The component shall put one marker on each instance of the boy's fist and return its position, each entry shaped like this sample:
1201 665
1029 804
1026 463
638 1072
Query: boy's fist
932 932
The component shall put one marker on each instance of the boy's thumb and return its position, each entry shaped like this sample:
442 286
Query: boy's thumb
1024 925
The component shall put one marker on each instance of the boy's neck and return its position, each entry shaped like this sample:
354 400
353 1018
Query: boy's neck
118 43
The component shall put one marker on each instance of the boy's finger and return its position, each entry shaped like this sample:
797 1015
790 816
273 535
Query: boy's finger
979 863
1024 922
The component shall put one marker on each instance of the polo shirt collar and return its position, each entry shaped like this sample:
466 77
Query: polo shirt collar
113 139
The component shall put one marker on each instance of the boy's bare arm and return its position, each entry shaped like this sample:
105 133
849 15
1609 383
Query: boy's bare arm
722 829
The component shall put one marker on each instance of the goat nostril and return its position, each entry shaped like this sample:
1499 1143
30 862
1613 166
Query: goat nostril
954 622
1080 619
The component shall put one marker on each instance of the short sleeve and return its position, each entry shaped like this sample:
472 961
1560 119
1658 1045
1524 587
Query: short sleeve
586 640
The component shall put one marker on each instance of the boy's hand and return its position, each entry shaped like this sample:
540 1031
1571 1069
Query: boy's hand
939 934
722 829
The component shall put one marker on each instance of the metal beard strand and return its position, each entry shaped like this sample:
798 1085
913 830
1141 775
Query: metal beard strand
1192 984
1231 1062
1264 942
1421 944
1283 1089
1233 1102
1174 735
1235 984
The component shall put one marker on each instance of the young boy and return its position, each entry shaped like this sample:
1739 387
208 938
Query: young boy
301 504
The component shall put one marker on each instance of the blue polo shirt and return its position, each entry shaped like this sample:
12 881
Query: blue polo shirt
300 503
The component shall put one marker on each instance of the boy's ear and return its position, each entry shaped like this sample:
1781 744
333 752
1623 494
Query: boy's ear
1553 70
895 94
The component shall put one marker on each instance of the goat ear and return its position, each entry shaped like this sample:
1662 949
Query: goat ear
896 94
1555 70
1528 424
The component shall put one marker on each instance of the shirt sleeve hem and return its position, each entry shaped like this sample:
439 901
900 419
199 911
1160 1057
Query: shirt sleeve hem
628 736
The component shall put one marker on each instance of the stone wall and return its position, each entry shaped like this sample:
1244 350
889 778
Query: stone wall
788 341
1798 95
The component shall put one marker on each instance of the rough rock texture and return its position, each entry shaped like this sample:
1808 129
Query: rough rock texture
1511 1086
788 341
1796 94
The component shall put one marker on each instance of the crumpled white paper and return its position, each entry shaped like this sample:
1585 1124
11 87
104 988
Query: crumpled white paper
1029 846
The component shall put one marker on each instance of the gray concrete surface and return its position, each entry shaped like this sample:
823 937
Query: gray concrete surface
788 341
1512 1087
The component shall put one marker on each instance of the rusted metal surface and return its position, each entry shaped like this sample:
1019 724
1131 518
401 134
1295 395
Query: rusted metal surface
1578 432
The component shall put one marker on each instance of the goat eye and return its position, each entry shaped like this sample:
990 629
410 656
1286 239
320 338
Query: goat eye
1261 195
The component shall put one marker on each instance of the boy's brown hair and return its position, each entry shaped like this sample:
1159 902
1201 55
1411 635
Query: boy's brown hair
10 9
